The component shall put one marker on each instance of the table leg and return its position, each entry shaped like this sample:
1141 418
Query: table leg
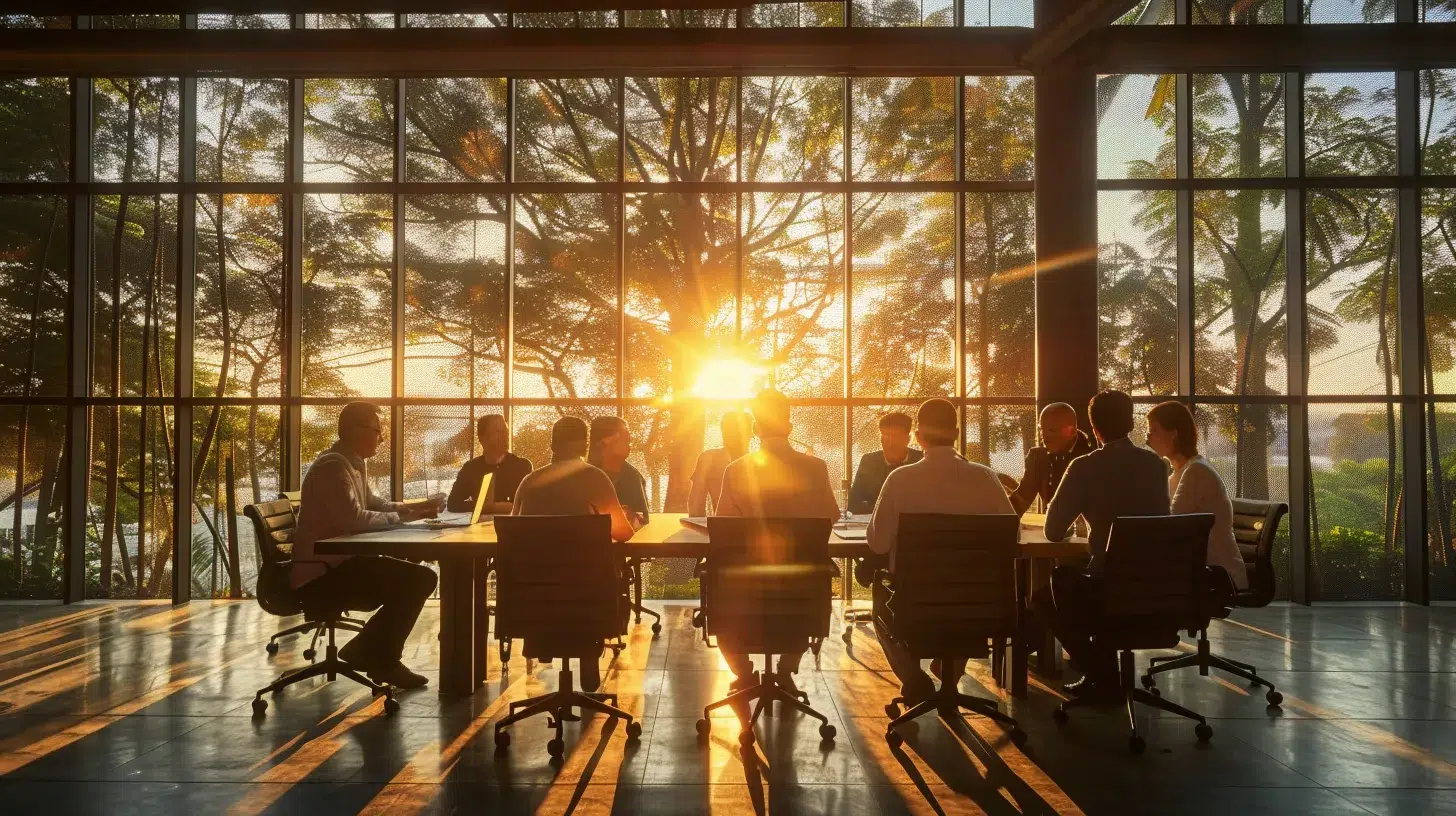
1048 650
457 579
1023 617
481 628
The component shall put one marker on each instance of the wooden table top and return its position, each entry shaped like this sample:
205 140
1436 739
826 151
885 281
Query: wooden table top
664 536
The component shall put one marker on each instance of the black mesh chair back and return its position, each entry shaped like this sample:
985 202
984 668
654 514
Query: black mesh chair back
558 582
1256 526
1155 576
273 525
769 582
955 581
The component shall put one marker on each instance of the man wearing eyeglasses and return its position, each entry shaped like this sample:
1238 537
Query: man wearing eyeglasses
337 502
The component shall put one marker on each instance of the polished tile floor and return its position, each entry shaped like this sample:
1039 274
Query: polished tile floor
128 708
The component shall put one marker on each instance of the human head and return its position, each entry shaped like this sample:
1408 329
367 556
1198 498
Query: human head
568 438
737 427
1111 414
611 440
491 431
1059 427
360 428
771 415
895 435
937 423
1171 430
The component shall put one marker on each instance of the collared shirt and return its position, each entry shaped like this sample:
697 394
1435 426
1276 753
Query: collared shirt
1043 473
870 476
509 472
942 482
1118 479
336 501
631 488
777 481
571 487
1197 488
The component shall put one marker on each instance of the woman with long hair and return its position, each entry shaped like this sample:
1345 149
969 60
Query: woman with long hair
1195 486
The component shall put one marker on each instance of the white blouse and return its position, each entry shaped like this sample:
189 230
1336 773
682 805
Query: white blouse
1197 488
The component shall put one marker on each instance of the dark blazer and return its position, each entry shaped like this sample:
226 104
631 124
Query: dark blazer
869 479
1118 479
508 475
1044 472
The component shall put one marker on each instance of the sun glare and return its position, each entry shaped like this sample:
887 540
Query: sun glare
728 378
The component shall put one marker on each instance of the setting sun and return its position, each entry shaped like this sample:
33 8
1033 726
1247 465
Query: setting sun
728 379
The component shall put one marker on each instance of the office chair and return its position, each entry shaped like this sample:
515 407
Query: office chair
1256 523
952 594
766 591
1154 585
273 524
634 572
559 587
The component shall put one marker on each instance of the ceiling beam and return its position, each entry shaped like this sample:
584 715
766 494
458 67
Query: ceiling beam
1062 23
1270 48
356 7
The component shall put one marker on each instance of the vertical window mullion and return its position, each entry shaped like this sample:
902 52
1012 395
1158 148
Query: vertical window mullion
1183 135
293 286
1411 337
396 438
182 496
78 426
1297 370
621 241
510 350
847 476
958 243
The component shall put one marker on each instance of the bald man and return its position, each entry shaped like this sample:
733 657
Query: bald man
1061 442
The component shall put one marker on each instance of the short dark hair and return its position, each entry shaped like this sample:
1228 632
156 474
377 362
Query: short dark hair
486 420
771 413
896 419
938 421
738 423
568 438
601 428
351 414
1176 417
1111 414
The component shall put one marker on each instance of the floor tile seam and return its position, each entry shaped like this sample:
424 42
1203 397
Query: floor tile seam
1335 792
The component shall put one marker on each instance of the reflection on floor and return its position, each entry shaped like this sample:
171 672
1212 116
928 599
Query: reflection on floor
144 708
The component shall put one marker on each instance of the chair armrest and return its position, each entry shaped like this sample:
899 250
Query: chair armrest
886 578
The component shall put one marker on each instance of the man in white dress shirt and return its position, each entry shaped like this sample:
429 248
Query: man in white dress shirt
942 482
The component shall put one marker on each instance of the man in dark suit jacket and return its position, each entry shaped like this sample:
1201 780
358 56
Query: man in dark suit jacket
1119 479
495 457
1061 442
875 467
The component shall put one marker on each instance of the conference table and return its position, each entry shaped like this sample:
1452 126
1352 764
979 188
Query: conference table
464 556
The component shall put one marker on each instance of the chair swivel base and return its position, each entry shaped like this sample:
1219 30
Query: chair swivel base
1204 660
1132 695
766 689
557 707
330 667
948 701
314 628
639 610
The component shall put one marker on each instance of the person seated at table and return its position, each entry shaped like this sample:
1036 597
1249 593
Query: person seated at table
707 481
610 445
571 487
942 482
1196 486
337 502
774 482
1118 479
495 457
876 466
1061 442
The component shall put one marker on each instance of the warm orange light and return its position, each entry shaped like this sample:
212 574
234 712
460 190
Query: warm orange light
728 378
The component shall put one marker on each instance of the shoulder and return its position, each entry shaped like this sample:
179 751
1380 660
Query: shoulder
868 458
519 461
914 455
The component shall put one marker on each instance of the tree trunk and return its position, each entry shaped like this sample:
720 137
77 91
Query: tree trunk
215 416
235 577
1441 503
43 544
983 336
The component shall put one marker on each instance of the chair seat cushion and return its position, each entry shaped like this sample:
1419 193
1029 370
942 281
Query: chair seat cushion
1139 636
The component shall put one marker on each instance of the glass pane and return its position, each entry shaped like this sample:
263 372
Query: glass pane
1238 292
1012 431
455 20
1238 125
348 129
135 134
564 19
119 21
1352 325
904 294
348 279
1136 126
1438 122
35 267
796 15
1349 124
32 512
1440 419
1355 467
694 18
1348 11
321 430
455 129
1020 13
130 500
1137 292
531 434
348 21
1249 447
249 21
1148 12
793 128
665 115
1438 276
455 296
239 316
35 127
438 439
819 431
242 453
134 247
904 128
566 300
682 272
242 129
892 13
33 21
1433 11
1000 294
1236 12
566 130
1000 128
793 290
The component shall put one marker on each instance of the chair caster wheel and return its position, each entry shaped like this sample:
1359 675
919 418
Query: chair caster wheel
1155 691
502 740
391 705
1204 732
1018 737
657 628
556 748
1274 698
1060 716
1149 682
634 730
827 732
309 654
260 707
272 647
745 738
894 739
892 710
1137 744
704 728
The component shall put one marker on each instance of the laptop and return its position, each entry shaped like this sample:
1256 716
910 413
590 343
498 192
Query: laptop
460 519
